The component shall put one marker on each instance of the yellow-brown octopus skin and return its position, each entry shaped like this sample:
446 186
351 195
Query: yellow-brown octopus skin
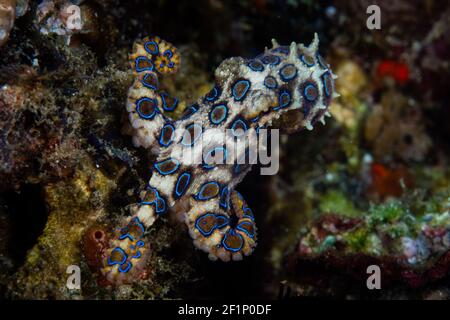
285 82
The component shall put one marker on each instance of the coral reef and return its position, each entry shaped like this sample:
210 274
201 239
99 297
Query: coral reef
410 243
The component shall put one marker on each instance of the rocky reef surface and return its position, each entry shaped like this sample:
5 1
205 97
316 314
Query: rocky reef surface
372 187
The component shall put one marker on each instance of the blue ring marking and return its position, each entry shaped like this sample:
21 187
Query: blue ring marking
179 192
244 230
157 166
255 65
159 209
282 49
248 215
210 166
139 223
233 233
305 94
168 53
326 76
137 255
269 85
255 119
302 59
155 51
146 84
220 225
138 108
287 78
223 202
140 243
165 106
136 221
222 118
270 59
244 93
200 197
126 235
129 265
205 234
195 138
189 111
238 121
154 201
213 95
136 64
111 263
281 104
161 136
321 61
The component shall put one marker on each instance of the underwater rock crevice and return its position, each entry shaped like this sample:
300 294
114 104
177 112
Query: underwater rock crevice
28 214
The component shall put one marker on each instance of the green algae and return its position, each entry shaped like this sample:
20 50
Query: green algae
335 201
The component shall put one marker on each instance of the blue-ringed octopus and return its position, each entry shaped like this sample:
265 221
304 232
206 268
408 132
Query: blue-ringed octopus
288 86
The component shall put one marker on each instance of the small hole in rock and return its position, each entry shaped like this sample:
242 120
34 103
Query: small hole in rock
28 216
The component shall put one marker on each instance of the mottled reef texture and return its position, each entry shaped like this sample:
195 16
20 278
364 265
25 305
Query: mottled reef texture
372 187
